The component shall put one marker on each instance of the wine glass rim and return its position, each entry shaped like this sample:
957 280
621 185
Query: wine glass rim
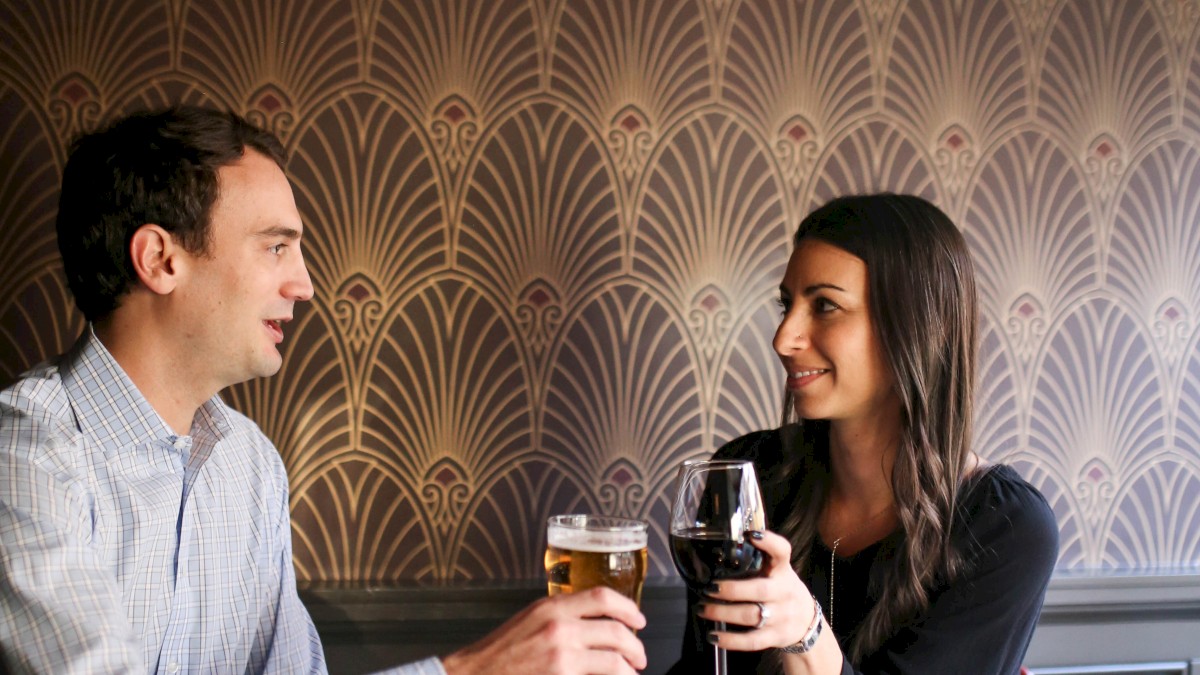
597 523
692 463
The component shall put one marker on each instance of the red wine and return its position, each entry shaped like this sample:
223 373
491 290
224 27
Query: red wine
703 556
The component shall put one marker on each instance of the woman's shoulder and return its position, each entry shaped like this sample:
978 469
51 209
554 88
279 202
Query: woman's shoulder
1003 512
1000 487
762 447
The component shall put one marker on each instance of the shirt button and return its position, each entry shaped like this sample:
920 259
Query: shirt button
173 667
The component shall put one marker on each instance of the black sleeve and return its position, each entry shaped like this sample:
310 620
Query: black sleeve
982 623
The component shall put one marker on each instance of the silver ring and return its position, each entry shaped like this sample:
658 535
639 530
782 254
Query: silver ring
764 613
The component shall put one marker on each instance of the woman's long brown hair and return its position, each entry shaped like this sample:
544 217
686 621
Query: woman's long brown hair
923 306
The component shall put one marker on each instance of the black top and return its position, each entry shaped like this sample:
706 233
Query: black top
979 624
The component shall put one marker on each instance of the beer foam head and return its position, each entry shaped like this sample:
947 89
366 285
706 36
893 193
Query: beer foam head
596 534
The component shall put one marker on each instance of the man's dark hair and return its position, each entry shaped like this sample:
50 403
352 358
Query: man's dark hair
155 167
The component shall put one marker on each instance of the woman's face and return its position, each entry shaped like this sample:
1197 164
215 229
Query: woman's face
826 340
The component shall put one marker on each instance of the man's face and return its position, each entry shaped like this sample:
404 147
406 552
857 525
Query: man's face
239 294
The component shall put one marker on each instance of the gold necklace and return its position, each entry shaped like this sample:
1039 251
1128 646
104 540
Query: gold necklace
833 556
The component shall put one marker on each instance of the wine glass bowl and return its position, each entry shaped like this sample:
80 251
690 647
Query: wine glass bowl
703 556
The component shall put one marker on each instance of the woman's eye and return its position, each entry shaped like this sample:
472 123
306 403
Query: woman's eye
784 304
823 305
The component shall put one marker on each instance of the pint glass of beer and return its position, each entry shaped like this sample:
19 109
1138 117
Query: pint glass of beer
584 551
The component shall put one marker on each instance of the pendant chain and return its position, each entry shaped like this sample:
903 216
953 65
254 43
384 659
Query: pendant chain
833 557
832 567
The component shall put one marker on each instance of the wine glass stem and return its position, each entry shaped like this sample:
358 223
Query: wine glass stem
720 666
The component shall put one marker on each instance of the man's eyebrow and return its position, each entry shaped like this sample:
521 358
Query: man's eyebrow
278 231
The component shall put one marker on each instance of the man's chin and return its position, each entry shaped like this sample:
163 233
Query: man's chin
267 365
271 368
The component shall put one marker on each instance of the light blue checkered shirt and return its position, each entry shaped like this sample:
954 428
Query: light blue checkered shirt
125 548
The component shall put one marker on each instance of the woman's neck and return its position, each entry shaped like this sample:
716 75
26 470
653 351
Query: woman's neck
862 454
860 508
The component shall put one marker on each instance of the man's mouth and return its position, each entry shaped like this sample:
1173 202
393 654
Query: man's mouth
275 327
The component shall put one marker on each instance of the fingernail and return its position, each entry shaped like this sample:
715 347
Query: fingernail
713 638
756 535
712 589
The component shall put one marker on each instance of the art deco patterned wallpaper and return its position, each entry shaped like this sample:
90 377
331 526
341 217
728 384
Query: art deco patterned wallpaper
545 237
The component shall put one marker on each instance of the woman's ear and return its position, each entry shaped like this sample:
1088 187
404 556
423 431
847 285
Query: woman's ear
155 256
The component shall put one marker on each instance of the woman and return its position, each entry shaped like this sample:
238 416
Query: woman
899 549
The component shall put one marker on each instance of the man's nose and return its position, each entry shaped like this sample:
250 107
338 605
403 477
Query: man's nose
300 288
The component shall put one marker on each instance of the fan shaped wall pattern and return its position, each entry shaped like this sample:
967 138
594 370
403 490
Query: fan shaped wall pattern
545 237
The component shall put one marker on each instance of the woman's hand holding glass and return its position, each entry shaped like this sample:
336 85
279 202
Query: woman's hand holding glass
786 604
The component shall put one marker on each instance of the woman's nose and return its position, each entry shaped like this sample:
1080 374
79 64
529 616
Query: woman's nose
792 335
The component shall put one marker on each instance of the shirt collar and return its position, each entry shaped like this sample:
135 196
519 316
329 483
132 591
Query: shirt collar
108 405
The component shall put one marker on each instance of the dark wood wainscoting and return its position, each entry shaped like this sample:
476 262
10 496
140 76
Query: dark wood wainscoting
1126 625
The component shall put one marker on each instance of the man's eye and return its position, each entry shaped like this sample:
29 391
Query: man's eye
277 249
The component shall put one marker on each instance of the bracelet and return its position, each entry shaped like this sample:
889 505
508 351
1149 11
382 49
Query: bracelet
810 637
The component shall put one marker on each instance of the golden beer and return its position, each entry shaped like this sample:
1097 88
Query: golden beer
585 551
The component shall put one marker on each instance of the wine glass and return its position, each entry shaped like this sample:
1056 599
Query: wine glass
717 503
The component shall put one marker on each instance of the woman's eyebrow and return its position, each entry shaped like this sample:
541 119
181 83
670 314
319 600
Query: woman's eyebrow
809 290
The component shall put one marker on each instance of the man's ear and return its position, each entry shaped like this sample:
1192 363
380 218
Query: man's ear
155 258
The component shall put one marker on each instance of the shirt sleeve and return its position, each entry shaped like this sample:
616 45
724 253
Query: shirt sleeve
983 622
287 640
60 611
430 666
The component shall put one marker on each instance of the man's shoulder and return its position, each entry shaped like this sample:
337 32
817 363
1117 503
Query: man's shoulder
39 383
34 408
38 433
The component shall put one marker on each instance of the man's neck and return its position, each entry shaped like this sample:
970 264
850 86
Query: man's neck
155 369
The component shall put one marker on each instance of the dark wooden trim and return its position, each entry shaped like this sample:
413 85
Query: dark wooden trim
462 608
1069 599
1161 597
1165 668
1145 621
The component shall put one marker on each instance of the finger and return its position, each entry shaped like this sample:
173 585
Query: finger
754 641
738 614
601 602
743 590
777 548
609 636
596 662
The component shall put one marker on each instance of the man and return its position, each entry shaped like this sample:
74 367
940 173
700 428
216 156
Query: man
144 525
